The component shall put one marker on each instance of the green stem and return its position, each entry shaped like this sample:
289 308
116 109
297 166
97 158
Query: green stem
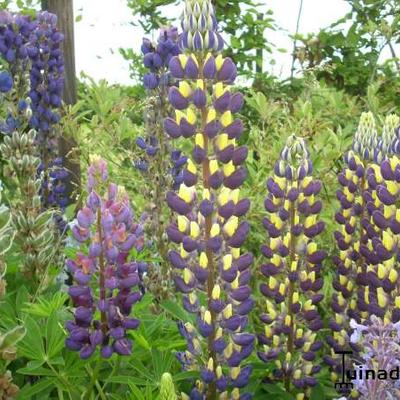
93 380
114 370
64 381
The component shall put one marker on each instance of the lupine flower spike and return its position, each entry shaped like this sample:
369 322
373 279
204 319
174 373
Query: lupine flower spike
293 271
107 283
381 295
352 238
161 167
32 86
34 227
208 263
46 87
15 49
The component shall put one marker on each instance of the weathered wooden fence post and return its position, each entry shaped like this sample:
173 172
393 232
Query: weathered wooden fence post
67 145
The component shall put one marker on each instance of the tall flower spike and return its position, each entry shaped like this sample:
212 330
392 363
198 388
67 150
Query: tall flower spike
209 268
34 227
293 271
46 87
381 295
106 281
161 167
15 47
31 49
357 199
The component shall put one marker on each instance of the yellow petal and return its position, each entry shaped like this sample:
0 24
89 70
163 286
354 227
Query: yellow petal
185 89
226 118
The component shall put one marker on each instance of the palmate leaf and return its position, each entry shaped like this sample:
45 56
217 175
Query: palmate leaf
32 345
54 336
40 387
44 307
176 310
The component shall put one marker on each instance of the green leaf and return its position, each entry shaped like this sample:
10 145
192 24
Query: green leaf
125 380
175 310
278 392
22 298
28 391
39 371
136 392
186 375
54 336
141 340
32 345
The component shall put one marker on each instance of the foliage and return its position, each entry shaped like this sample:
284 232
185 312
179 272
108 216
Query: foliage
243 23
349 58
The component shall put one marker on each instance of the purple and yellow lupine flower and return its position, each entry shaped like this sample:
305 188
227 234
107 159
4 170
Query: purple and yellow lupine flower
209 268
107 283
380 295
293 271
352 237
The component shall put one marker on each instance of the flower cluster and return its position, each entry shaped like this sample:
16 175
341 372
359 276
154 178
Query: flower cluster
161 167
106 282
46 77
157 57
200 27
367 276
15 48
46 87
293 271
207 228
32 51
381 354
157 82
352 237
379 294
34 227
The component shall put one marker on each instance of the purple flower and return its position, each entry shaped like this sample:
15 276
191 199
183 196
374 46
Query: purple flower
207 205
106 280
293 269
6 82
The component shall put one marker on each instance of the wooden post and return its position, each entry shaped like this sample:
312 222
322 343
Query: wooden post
67 146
